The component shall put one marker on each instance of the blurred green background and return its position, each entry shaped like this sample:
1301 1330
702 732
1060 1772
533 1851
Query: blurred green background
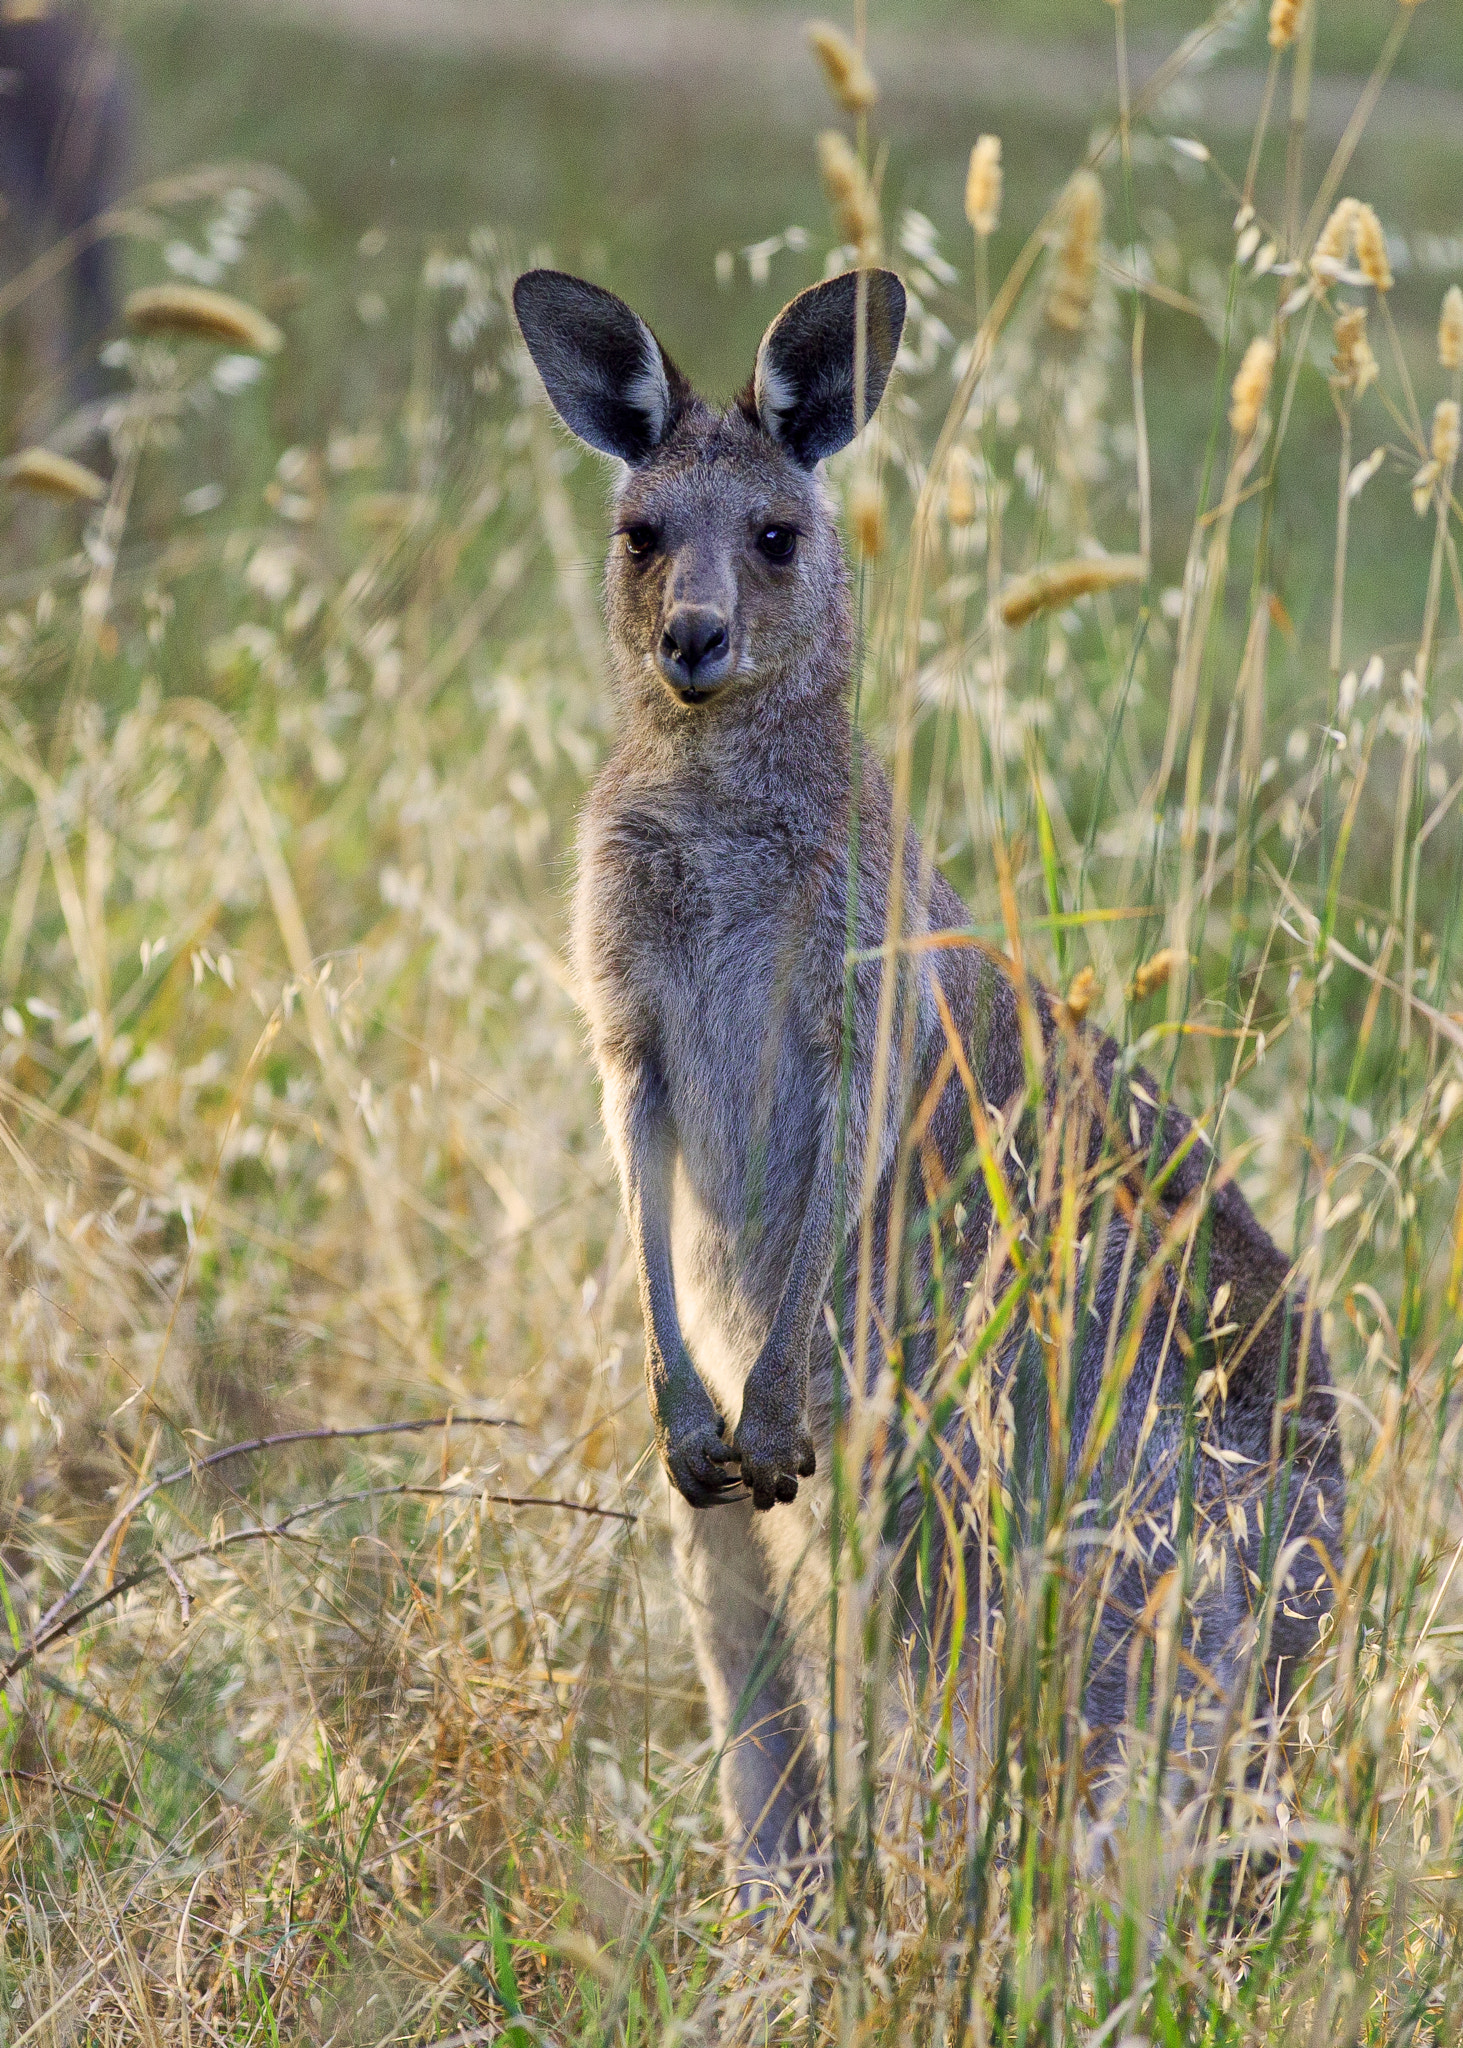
634 142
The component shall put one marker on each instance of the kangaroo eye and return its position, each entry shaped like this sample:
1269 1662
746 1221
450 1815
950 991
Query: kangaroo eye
777 542
641 541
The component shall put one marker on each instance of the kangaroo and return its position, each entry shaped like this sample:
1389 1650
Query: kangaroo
65 98
714 915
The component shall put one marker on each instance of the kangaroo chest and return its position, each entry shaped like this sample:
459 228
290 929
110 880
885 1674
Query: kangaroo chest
696 942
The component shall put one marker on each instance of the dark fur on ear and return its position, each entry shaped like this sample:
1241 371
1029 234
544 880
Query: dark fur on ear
607 376
802 391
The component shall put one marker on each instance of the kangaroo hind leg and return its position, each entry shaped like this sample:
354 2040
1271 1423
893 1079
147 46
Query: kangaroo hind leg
769 1770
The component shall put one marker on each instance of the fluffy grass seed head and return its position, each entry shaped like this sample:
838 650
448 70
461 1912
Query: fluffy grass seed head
212 316
850 194
1333 244
845 71
1353 366
961 503
983 185
1251 386
1081 995
1059 583
1371 249
52 476
1284 22
1074 269
1450 329
1155 973
866 516
1422 486
1443 454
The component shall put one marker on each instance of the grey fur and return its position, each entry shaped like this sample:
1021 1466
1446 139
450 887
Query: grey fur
710 928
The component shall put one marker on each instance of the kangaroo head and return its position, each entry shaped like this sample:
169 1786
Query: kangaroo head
726 572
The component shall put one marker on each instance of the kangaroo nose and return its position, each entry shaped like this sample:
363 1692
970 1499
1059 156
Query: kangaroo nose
694 638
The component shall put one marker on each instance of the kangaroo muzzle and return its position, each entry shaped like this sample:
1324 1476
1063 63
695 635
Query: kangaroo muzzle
694 655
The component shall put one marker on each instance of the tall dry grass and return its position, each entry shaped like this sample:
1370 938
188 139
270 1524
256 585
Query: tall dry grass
395 1736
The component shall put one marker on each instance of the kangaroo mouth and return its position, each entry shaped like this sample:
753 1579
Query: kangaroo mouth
696 695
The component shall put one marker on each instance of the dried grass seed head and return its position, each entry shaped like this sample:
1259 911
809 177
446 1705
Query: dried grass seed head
1251 386
1450 329
212 316
52 476
1156 972
983 185
1333 244
1371 249
1060 583
1082 994
1445 433
866 516
1284 22
1353 366
845 69
850 194
1073 278
1422 486
961 503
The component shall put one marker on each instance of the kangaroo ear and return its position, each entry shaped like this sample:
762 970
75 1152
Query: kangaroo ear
803 386
607 376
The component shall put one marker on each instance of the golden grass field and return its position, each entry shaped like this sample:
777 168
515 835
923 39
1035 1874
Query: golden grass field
386 1729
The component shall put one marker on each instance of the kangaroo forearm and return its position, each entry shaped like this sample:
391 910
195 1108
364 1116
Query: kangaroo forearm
818 1243
671 1380
658 1309
670 1376
773 1444
807 1284
689 1433
780 1377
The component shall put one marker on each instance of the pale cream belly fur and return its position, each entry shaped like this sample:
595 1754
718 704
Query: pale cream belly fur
724 1330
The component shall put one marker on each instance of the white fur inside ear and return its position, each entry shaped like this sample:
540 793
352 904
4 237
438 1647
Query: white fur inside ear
648 392
772 390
